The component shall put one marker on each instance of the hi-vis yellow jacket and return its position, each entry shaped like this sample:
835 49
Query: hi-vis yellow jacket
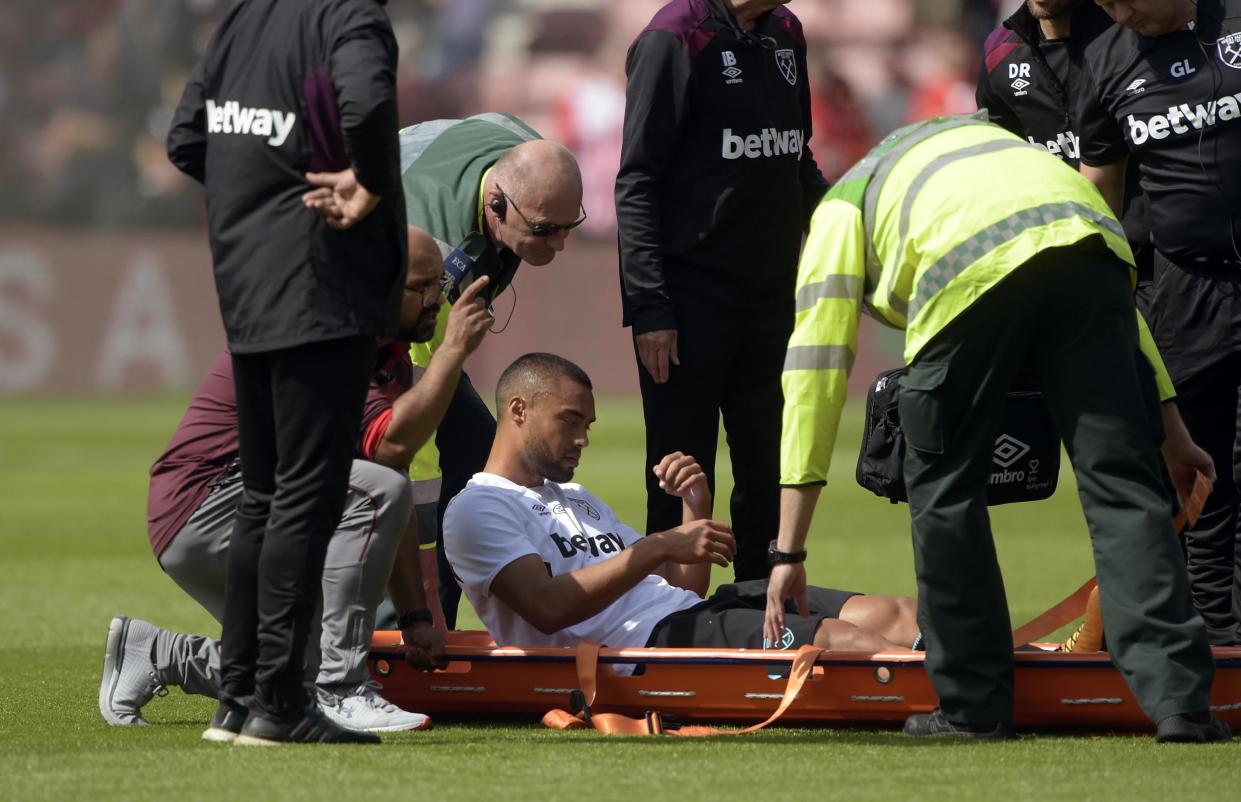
917 231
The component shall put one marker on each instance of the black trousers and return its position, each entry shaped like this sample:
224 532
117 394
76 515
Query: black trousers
298 415
1069 316
1195 316
731 363
464 441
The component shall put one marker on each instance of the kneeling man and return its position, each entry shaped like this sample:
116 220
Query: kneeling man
546 563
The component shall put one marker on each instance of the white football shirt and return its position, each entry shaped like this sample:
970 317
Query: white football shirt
493 522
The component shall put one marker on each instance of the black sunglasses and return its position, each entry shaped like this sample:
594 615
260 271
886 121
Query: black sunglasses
542 229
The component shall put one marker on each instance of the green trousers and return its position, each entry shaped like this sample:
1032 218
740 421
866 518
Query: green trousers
1068 317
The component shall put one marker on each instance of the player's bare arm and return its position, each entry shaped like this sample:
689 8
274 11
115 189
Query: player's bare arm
552 603
680 475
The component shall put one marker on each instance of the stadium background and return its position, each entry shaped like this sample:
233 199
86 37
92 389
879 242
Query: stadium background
105 281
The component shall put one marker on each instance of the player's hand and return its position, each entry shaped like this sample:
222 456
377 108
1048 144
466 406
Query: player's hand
700 541
788 580
1183 456
424 647
469 320
655 350
680 475
339 198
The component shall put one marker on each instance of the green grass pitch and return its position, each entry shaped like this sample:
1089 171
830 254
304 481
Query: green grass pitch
73 552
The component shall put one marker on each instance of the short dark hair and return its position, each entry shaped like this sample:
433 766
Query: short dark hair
533 375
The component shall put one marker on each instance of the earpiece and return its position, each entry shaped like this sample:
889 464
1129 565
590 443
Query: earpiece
499 206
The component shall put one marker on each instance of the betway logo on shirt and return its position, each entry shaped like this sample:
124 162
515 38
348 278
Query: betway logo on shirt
1066 142
230 117
1184 119
768 142
605 543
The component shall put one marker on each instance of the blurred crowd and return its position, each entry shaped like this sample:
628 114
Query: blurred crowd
87 87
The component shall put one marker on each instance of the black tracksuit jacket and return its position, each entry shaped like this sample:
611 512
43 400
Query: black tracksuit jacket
1030 86
286 87
716 184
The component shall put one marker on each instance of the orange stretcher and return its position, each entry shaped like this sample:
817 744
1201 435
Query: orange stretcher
1056 686
1053 690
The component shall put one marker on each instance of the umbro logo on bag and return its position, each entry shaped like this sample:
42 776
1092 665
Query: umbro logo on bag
1008 449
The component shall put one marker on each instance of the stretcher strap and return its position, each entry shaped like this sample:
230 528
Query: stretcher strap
1075 604
1069 609
653 723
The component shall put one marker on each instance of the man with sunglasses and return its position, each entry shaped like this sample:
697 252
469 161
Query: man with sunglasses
492 193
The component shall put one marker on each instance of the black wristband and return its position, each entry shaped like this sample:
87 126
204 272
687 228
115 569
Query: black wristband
777 557
407 620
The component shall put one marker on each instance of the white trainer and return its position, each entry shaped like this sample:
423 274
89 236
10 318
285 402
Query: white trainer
363 709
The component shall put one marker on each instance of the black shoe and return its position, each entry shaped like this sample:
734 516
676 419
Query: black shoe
312 728
1192 728
934 725
227 722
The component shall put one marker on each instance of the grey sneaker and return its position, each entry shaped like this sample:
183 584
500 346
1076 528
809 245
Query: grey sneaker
362 709
128 680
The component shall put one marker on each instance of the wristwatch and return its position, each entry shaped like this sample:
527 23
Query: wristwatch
777 557
407 620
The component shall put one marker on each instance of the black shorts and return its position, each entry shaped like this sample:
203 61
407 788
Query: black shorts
732 618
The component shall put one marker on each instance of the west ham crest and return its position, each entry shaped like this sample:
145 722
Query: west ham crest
1229 48
586 508
788 65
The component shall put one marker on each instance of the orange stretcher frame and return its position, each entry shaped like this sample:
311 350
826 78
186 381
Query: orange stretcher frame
1053 690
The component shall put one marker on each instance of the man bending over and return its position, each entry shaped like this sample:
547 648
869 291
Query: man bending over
545 563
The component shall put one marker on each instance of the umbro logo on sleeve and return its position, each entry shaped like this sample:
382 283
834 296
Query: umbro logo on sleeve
230 117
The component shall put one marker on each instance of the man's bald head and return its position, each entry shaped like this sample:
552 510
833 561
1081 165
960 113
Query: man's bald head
424 253
539 168
421 300
535 186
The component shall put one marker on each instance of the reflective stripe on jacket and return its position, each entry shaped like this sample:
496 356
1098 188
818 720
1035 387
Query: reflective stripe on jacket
916 232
